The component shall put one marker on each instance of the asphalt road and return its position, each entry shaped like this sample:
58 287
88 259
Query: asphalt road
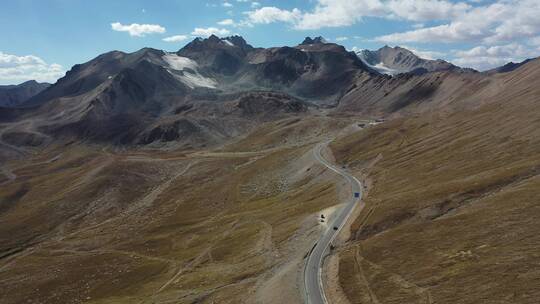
313 286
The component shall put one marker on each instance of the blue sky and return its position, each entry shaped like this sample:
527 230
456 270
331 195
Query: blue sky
45 38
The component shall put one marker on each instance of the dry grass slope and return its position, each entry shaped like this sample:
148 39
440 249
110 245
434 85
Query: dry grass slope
452 216
88 225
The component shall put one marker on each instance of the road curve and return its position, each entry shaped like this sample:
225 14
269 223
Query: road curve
313 287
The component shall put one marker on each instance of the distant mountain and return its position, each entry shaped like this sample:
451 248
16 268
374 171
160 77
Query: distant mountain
15 95
299 71
436 91
83 78
397 60
509 67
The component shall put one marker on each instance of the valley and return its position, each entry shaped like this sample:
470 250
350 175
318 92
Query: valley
197 226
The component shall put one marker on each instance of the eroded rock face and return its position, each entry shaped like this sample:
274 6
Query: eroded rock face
268 103
172 131
19 138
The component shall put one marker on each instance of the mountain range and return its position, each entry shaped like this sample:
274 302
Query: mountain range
215 89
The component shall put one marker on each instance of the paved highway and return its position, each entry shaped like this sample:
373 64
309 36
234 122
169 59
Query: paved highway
313 286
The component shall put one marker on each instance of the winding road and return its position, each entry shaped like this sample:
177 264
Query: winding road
313 286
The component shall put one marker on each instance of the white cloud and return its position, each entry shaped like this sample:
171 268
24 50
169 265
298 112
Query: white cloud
424 10
503 21
341 38
175 38
521 20
488 22
487 57
138 30
231 22
508 50
442 33
336 13
271 14
227 4
226 22
205 32
535 41
472 26
14 69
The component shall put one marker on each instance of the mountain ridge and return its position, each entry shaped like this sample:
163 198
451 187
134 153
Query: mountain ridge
134 98
15 95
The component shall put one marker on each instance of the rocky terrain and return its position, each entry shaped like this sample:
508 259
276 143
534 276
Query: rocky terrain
189 177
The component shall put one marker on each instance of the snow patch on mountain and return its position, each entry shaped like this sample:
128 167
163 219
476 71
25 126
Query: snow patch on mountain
187 71
228 42
379 67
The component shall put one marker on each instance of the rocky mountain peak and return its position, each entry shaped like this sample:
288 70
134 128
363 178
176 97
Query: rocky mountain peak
29 83
238 41
397 60
213 39
214 42
316 40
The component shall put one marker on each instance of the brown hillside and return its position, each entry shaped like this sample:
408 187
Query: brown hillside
452 214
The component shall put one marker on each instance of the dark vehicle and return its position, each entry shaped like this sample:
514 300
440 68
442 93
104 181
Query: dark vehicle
335 228
322 216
